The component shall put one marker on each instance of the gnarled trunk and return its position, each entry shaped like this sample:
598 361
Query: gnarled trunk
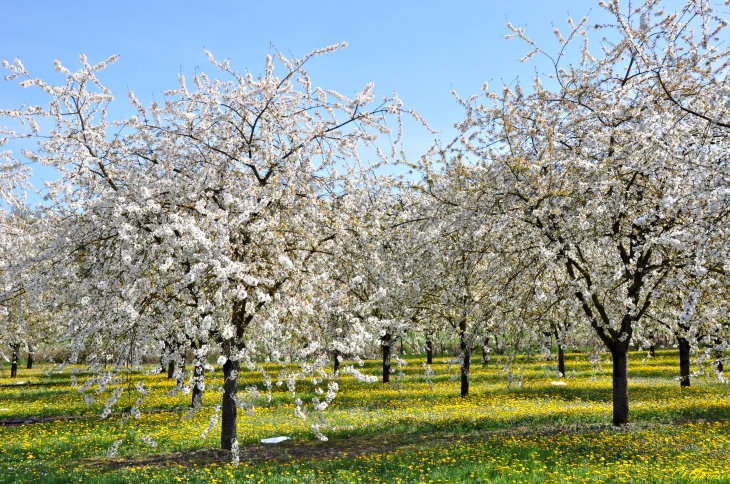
228 410
31 355
620 356
683 362
429 352
386 358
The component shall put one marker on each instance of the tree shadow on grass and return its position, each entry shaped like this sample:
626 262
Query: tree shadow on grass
357 446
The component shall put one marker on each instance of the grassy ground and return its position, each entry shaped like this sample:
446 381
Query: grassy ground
402 432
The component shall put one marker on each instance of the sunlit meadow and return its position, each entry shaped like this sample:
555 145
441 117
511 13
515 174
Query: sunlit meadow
406 432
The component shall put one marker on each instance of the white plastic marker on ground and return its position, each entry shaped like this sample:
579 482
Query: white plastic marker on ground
274 440
559 383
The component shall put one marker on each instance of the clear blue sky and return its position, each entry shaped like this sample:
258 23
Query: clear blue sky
421 49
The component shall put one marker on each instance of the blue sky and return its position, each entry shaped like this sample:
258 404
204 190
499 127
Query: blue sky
420 49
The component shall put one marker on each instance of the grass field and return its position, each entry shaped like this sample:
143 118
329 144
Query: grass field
404 432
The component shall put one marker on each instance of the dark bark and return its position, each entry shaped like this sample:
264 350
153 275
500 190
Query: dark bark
14 361
561 359
228 410
466 363
170 369
198 382
337 361
29 366
485 351
620 356
652 351
683 362
561 353
240 320
386 358
429 352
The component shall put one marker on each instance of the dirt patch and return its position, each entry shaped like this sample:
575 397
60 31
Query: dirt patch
257 453
355 446
201 457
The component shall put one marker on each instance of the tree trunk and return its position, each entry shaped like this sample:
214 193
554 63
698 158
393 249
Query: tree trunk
720 368
386 358
561 353
162 362
652 351
181 368
198 384
170 369
29 366
228 411
429 352
485 351
683 362
14 361
337 362
620 355
466 363
499 346
718 355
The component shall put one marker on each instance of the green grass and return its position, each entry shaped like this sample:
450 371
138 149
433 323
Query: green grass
402 432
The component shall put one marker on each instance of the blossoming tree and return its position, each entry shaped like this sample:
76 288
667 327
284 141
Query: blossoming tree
204 211
602 176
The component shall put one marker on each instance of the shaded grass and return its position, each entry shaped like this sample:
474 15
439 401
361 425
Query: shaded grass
389 433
